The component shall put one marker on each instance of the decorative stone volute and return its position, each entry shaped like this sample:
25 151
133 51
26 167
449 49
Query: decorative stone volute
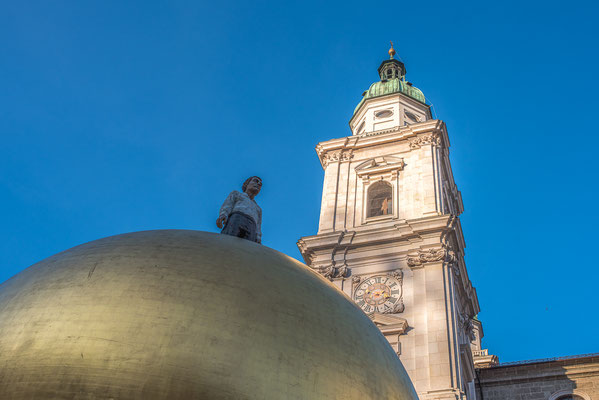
427 139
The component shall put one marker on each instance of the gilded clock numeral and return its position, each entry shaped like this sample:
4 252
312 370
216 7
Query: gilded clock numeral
378 293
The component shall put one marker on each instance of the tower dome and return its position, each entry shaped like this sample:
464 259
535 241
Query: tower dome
391 86
391 102
177 314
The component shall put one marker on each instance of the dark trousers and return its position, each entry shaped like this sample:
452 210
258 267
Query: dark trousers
240 225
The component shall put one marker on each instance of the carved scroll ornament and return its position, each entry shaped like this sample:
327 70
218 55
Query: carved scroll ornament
331 271
336 156
433 255
399 307
426 256
422 140
466 325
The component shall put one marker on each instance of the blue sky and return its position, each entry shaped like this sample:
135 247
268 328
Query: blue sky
126 116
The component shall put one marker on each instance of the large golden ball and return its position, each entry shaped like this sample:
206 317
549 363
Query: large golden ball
177 314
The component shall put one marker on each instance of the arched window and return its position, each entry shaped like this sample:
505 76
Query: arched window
380 199
569 394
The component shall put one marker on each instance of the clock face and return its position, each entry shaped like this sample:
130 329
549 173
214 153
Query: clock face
378 293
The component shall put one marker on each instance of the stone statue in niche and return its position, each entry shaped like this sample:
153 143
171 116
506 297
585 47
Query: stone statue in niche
379 199
240 215
385 206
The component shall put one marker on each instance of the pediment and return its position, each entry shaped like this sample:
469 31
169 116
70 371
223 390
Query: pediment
380 165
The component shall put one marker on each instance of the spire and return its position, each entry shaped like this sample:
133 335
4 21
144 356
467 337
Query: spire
391 51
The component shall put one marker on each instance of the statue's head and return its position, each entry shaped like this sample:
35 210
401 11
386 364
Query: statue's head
253 184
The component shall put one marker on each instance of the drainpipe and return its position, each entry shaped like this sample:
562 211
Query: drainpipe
480 387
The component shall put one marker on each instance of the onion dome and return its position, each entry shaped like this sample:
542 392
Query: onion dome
393 80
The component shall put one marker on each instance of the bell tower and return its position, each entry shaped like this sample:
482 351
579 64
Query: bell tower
389 234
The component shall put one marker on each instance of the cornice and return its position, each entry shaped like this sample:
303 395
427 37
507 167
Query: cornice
393 230
435 129
395 239
391 235
397 95
553 371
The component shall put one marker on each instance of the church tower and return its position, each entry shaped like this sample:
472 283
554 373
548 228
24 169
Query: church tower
390 236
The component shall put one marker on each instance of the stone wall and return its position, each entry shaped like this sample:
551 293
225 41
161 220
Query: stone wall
541 380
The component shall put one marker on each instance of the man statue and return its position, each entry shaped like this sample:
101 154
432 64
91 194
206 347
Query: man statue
240 214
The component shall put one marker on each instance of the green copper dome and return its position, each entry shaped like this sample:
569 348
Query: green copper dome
392 73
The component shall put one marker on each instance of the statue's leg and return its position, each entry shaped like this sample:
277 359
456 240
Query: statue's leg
232 225
247 228
241 226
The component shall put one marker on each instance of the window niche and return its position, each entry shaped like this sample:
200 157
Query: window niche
380 199
378 180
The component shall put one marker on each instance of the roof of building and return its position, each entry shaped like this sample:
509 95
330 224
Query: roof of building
544 360
392 73
391 86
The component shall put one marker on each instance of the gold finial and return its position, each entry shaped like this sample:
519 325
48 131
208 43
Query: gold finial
391 51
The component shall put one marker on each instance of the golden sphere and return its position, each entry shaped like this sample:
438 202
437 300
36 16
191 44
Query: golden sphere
391 51
175 314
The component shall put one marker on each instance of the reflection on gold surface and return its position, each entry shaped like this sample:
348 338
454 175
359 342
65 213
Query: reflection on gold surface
187 315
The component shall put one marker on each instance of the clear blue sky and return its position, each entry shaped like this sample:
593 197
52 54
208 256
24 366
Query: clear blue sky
126 116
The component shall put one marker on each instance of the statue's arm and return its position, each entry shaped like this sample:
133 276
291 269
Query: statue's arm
259 227
226 209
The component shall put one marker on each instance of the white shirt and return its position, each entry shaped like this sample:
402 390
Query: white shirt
241 202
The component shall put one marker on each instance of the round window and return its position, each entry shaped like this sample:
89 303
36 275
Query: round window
383 114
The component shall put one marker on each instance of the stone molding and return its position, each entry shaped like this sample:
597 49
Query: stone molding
380 132
389 324
423 140
333 270
336 156
399 306
392 326
352 143
427 256
448 394
511 374
380 166
391 242
444 254
482 359
466 326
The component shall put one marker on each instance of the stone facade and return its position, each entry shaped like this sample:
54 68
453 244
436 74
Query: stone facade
390 213
390 238
555 379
